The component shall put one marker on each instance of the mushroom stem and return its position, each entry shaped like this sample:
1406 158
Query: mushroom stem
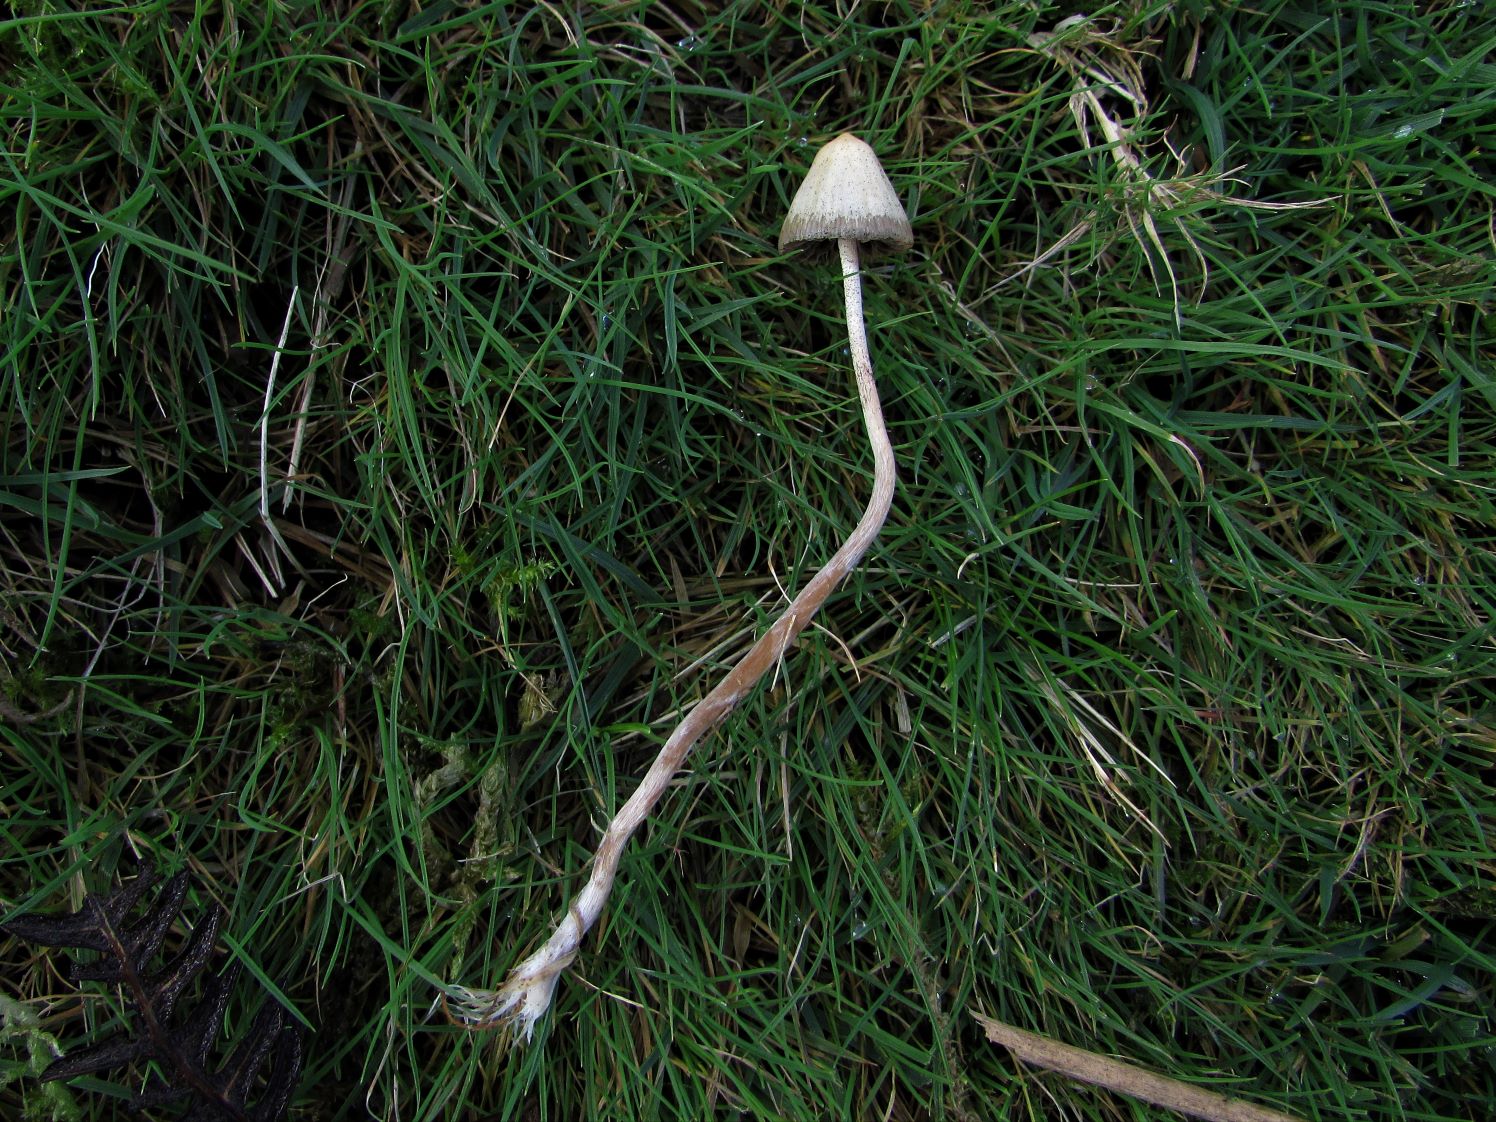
526 994
884 471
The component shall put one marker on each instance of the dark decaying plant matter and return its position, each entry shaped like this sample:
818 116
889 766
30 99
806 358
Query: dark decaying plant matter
252 1083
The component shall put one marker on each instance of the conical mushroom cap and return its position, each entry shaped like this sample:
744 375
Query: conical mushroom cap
846 194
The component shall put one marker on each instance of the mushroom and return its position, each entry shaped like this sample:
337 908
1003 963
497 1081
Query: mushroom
847 197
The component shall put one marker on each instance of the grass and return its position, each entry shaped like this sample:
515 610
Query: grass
405 415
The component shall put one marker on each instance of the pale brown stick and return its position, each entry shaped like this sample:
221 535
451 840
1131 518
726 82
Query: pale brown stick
1124 1078
526 994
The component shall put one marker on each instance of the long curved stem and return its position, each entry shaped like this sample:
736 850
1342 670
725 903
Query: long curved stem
526 994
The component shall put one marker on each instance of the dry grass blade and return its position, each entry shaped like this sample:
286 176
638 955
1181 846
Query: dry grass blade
1124 1078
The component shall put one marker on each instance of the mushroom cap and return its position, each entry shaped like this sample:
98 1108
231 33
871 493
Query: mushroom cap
846 194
